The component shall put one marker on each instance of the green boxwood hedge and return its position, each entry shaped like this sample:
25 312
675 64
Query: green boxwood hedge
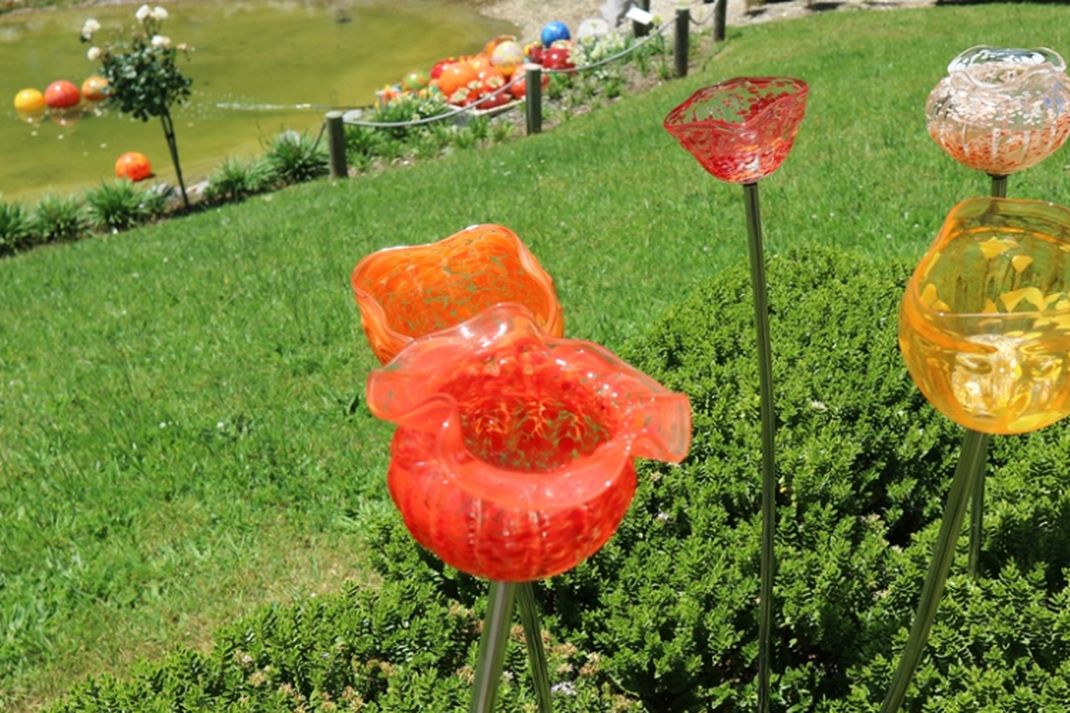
664 618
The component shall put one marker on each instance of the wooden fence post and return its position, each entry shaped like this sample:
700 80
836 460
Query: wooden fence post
336 142
719 20
638 28
533 102
681 41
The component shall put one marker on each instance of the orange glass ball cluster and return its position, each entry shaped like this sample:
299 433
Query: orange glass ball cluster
513 456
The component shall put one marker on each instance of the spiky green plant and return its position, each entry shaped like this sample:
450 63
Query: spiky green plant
57 218
295 158
16 227
235 180
115 206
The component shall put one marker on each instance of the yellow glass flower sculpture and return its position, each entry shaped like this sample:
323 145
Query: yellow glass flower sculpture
984 324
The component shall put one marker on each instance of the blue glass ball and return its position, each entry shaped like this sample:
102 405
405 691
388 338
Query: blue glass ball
554 31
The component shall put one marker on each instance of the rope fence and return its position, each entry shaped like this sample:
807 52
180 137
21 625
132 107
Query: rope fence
709 17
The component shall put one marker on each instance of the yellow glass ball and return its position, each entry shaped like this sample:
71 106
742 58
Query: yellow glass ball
29 101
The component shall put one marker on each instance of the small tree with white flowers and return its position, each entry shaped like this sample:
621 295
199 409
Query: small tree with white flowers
143 76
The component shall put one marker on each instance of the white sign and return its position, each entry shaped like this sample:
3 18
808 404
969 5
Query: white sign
638 14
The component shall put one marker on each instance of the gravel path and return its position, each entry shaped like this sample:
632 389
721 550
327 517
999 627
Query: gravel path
530 17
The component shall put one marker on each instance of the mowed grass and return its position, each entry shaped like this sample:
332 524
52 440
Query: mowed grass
182 432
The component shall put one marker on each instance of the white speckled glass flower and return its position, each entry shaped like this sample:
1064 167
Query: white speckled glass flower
1000 110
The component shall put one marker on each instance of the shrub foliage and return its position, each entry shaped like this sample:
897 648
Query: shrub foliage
664 617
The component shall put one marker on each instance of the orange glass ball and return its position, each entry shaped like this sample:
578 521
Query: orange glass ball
29 101
984 326
133 166
62 94
479 62
95 88
456 76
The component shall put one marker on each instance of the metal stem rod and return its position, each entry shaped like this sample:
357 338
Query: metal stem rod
971 457
768 419
999 186
977 508
492 646
529 617
977 505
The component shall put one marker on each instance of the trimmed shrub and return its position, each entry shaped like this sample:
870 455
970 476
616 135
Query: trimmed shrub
403 648
16 227
60 218
664 618
295 158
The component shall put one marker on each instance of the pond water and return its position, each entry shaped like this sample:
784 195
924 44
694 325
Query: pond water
255 64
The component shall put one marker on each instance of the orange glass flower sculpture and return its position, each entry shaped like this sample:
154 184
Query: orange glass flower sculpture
513 457
741 129
1001 110
407 292
984 326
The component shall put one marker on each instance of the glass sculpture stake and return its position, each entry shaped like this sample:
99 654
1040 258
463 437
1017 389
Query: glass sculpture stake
741 130
407 292
984 328
514 453
999 110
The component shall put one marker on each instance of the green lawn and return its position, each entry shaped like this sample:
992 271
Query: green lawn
182 437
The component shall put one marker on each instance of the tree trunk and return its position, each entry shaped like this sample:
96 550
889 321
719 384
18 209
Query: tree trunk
172 145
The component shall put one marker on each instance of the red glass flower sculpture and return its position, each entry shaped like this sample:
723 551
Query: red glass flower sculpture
1001 110
741 129
513 457
407 292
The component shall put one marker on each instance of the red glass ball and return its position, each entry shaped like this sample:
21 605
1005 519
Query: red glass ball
62 94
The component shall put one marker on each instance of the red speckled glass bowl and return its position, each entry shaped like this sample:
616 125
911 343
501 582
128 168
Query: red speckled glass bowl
741 129
1001 110
407 292
513 457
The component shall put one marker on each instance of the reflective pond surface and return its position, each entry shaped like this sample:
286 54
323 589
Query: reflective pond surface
259 67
